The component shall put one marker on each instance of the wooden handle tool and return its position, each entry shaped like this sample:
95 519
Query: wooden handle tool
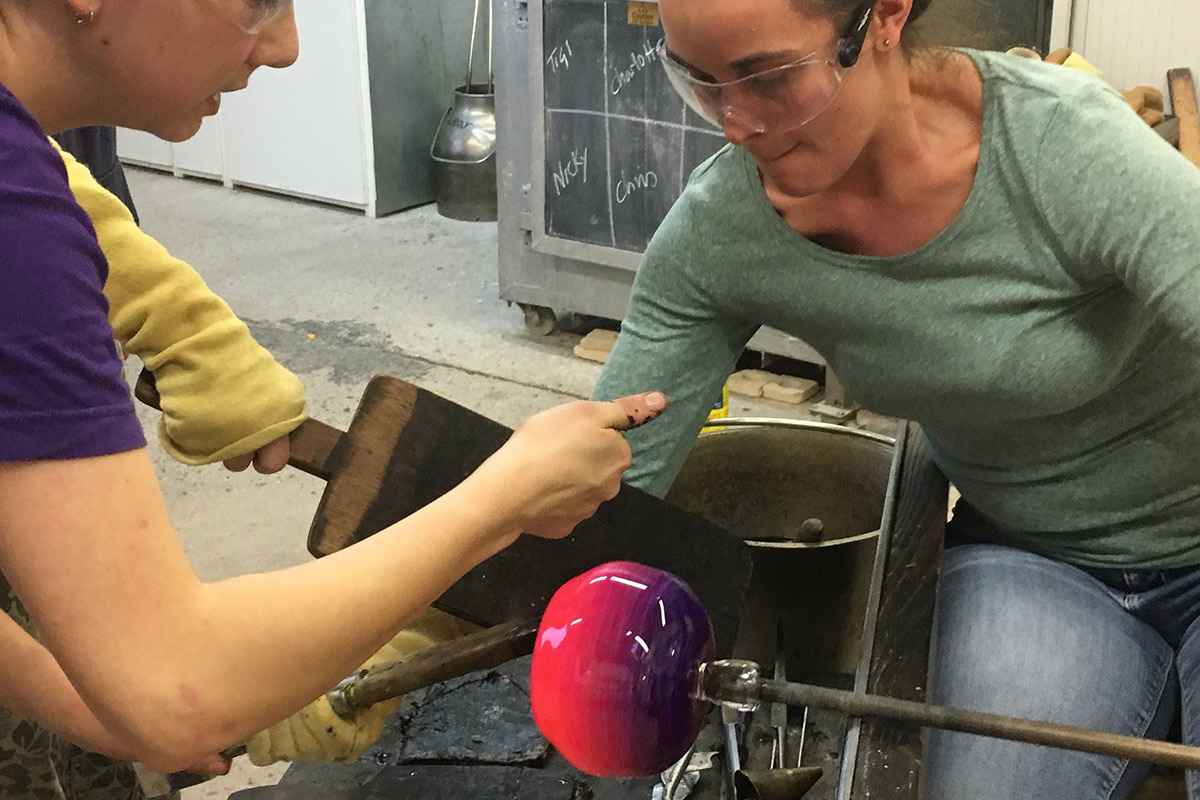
311 444
406 447
486 649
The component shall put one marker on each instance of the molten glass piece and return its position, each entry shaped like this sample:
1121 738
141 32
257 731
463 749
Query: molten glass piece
615 665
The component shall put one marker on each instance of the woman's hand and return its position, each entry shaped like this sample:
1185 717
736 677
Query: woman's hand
268 459
560 465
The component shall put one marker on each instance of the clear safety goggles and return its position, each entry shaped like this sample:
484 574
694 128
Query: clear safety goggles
251 15
780 99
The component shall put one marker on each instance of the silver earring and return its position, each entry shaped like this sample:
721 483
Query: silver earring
85 19
887 42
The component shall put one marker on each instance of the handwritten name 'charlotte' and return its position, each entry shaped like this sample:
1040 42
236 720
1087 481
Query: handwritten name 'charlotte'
638 62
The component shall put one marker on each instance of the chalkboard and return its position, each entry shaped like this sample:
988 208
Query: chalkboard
619 142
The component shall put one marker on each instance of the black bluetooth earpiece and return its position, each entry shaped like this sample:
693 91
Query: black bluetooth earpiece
851 44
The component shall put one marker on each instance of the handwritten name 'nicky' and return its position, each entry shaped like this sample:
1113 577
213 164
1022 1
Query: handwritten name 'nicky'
575 167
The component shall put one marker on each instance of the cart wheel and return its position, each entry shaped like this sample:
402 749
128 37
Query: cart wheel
539 320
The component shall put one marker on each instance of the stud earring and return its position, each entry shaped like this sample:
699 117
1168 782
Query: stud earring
887 42
82 19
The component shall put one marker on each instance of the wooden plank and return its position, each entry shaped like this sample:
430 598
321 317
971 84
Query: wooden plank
406 447
890 755
1183 102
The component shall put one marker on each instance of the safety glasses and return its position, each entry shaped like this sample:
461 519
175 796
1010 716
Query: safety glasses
780 99
251 15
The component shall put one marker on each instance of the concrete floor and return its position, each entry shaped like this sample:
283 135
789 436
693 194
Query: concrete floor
413 295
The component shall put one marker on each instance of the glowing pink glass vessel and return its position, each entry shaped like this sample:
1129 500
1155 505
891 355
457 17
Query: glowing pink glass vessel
621 630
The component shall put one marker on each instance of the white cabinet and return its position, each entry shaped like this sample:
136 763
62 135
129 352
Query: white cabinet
305 130
350 123
142 148
201 155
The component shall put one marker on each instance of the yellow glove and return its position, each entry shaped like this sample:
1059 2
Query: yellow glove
317 733
223 395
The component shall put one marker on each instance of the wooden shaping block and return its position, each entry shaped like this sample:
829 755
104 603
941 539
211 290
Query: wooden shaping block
406 447
599 356
599 339
749 382
1183 102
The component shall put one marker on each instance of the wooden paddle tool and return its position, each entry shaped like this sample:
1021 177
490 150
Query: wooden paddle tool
406 447
1183 103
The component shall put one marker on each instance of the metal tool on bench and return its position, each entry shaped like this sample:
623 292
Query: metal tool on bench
776 784
738 683
779 713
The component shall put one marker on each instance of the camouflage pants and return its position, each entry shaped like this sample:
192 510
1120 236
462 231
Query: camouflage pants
37 765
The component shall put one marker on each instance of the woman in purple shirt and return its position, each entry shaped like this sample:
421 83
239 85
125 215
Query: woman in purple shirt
141 658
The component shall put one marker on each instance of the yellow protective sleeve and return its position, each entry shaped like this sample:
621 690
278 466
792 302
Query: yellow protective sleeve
317 733
222 393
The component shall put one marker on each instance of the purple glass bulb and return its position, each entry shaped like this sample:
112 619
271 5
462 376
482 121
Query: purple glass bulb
614 670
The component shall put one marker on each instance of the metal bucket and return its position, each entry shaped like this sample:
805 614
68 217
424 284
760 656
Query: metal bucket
464 156
762 479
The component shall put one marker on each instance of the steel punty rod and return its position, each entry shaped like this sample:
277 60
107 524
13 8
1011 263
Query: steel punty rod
738 683
484 649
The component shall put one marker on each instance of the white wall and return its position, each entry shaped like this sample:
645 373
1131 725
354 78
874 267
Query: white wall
303 131
1135 42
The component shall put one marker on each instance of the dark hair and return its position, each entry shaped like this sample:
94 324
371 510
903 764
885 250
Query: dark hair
842 11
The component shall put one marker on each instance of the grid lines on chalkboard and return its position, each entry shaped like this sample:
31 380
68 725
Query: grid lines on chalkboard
679 126
612 219
601 84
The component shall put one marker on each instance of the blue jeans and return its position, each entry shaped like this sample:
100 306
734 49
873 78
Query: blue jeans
1019 634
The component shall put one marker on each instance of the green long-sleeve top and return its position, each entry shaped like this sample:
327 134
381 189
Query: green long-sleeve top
1047 340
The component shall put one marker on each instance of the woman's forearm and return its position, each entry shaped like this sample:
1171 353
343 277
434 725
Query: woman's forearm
182 669
33 686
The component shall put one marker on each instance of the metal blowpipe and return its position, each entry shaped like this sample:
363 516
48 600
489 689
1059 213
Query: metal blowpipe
737 684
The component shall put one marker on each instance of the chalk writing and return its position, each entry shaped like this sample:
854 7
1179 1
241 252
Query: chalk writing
638 61
575 167
641 182
560 57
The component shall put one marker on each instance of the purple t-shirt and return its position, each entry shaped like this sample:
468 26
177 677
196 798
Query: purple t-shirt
62 393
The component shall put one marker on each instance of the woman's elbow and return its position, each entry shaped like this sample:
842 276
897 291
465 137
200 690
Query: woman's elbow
180 732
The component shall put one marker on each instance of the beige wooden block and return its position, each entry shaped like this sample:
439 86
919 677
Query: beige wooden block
789 389
786 394
749 382
792 382
600 339
592 355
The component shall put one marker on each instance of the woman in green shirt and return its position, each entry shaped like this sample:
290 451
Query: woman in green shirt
1000 250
